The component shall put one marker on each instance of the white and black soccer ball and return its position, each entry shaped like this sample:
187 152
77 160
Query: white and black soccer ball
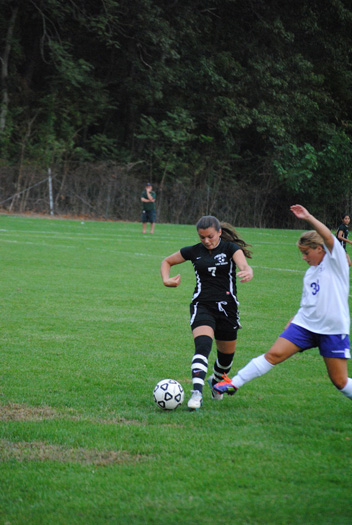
168 394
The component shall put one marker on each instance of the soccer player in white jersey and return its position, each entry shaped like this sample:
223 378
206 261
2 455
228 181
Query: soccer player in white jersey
323 319
214 306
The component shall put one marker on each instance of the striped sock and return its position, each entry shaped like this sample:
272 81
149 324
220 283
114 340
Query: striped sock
199 366
199 369
221 366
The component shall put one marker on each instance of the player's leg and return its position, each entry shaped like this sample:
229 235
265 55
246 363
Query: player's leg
337 370
222 365
203 339
144 221
293 339
281 350
152 215
203 327
330 347
227 324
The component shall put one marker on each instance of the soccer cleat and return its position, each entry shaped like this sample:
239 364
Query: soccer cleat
195 401
225 386
215 395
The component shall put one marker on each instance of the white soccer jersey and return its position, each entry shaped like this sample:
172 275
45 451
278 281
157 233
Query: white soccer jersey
324 302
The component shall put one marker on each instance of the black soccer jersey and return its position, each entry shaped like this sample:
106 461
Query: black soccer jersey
215 271
343 227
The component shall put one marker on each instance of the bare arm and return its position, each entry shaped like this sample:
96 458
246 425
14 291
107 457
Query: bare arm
246 273
171 260
341 238
149 199
319 227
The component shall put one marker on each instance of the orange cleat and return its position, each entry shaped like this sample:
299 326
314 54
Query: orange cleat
225 386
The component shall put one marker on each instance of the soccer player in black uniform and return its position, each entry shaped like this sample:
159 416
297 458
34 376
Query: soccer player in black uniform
214 306
342 234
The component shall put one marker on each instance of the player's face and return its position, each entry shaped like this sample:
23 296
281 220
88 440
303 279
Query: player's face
312 256
210 237
346 219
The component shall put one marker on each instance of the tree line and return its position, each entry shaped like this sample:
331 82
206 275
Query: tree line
230 107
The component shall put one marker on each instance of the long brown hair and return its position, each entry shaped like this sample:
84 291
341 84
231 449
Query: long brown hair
228 232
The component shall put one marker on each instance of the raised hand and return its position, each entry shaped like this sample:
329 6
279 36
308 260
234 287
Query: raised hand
300 211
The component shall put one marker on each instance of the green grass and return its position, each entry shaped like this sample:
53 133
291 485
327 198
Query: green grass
87 330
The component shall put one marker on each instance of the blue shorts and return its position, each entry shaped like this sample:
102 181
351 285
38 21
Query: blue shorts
329 345
148 216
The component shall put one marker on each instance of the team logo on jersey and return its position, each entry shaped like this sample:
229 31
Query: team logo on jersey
220 259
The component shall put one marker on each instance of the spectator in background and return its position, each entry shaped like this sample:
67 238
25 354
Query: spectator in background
342 234
148 214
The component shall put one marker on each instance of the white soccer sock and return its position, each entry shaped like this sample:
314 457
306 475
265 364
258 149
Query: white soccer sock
347 389
255 368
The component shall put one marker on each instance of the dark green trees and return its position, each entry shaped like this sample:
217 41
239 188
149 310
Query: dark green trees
240 106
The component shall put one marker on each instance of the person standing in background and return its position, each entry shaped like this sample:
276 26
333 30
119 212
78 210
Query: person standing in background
342 234
148 214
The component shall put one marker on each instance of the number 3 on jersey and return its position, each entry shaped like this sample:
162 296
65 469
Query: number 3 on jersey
315 288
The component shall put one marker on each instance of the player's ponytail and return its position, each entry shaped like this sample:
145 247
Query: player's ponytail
228 233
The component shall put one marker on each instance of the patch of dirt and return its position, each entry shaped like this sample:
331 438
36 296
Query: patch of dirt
41 451
18 412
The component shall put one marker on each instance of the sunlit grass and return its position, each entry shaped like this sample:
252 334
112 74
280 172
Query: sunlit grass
88 330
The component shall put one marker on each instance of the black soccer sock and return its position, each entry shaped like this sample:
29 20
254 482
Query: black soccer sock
199 365
221 366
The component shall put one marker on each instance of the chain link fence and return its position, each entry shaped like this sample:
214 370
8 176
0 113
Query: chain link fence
112 192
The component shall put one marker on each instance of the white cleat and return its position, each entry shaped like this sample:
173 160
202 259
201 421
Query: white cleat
195 401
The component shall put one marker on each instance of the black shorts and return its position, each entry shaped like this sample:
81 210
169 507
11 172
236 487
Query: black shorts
221 316
148 216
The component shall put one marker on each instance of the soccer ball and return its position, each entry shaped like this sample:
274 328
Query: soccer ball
168 394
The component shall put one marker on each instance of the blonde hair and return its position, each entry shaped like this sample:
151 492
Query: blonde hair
310 239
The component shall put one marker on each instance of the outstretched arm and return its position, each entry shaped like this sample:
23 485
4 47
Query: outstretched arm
319 227
171 260
346 240
342 238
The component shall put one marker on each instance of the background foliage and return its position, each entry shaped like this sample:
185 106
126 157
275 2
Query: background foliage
245 104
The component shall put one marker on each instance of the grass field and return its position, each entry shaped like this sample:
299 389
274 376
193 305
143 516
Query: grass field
88 330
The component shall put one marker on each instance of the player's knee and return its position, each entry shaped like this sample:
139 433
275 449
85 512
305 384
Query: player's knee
274 356
203 345
281 350
339 382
